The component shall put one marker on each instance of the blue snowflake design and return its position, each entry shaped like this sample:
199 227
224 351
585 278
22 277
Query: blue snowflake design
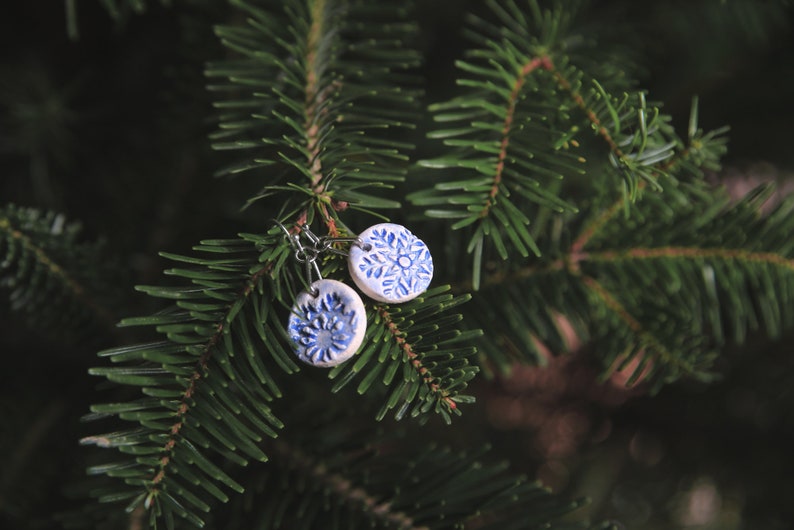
399 261
322 330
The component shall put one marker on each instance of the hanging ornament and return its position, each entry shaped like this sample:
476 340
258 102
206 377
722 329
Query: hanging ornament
390 264
327 324
328 321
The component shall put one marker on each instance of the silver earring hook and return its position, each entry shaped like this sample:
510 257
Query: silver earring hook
283 228
327 243
306 255
312 237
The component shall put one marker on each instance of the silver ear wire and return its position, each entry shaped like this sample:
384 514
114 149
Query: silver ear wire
309 234
327 243
283 228
306 255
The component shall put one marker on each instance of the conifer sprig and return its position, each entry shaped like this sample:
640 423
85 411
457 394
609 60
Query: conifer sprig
317 97
701 152
388 483
660 291
416 351
205 387
518 133
704 241
47 270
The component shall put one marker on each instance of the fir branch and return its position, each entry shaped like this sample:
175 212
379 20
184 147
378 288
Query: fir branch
200 371
589 112
398 336
702 152
46 268
336 483
525 155
528 68
416 340
205 382
514 153
659 292
314 99
319 74
16 238
689 253
645 339
382 482
637 136
523 309
597 224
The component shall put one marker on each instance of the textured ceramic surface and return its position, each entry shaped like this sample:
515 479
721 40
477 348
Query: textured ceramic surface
327 329
391 264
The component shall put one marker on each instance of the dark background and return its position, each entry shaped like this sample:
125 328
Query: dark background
111 129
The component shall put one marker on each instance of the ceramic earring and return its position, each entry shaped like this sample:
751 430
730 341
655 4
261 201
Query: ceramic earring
328 321
327 324
390 264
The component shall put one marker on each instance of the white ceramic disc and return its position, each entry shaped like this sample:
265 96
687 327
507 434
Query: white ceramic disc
327 329
391 264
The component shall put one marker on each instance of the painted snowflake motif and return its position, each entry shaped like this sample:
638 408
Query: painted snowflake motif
396 267
323 329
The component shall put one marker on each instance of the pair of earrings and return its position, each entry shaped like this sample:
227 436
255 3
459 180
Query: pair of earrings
328 320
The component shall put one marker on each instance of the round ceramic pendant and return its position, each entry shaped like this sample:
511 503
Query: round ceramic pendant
390 264
327 328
